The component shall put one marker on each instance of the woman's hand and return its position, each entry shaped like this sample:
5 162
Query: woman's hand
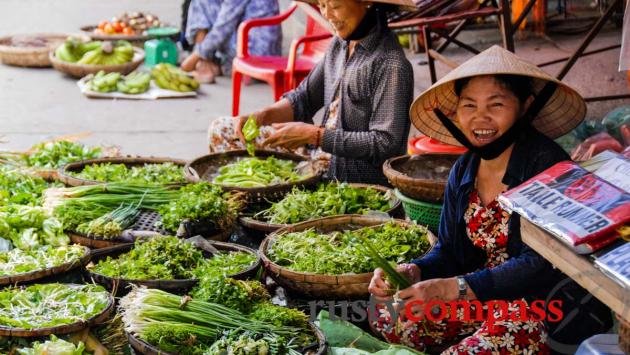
190 62
293 135
445 290
381 289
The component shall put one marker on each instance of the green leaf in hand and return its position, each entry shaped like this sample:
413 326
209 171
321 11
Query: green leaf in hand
250 132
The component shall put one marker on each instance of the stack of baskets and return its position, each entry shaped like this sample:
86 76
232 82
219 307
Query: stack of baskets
420 190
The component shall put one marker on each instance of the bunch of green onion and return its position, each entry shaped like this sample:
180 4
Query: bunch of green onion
111 224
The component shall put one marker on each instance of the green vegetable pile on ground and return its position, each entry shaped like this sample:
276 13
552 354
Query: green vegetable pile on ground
50 305
256 172
29 227
18 188
76 205
164 173
18 261
340 252
111 224
201 203
188 326
54 346
158 258
329 199
53 155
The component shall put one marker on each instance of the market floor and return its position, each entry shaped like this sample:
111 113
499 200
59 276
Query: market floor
39 104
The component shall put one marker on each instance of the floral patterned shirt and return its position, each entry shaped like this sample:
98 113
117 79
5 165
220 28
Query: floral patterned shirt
487 228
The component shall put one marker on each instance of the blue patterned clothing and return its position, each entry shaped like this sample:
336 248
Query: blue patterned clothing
221 18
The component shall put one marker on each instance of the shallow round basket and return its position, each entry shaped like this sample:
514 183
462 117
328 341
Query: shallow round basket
264 227
81 70
135 39
62 329
67 178
120 286
40 274
402 172
30 56
345 286
206 167
142 347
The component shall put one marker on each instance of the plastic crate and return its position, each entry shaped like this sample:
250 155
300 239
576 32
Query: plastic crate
422 212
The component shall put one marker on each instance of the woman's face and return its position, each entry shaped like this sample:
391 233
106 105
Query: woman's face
343 15
486 110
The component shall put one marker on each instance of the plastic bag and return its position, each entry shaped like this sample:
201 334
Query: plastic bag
595 145
615 120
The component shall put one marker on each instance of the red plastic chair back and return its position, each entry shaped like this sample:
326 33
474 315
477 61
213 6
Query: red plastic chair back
316 48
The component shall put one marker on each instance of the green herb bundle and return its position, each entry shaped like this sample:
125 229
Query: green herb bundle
18 261
188 326
30 227
202 203
157 258
111 224
50 305
236 294
329 199
340 252
154 174
256 172
226 264
53 155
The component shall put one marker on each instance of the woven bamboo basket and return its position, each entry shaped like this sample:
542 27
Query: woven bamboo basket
624 335
40 274
143 348
204 168
264 227
346 286
120 286
62 329
402 172
81 70
70 180
30 56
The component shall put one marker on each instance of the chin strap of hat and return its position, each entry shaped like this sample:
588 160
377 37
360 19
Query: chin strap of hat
495 148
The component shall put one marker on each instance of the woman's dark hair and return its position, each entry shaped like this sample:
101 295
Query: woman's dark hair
519 85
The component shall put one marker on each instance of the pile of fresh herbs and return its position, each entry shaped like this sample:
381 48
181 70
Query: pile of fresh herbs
53 155
157 174
329 199
226 263
257 172
50 305
18 261
54 346
201 203
18 188
341 252
29 227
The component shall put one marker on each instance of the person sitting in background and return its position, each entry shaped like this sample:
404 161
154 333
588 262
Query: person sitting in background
212 27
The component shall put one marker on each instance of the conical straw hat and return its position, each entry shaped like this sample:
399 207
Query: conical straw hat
563 111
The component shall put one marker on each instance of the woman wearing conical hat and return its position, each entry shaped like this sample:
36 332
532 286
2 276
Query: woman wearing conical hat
365 86
506 112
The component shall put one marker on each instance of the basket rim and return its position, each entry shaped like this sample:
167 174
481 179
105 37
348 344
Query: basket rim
393 174
264 246
308 179
260 225
8 49
80 70
49 271
66 178
228 246
65 328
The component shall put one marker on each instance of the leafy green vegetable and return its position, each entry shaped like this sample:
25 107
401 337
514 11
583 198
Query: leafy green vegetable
30 227
329 199
54 346
18 261
226 264
339 252
251 132
184 322
235 294
279 316
200 203
255 172
111 224
53 155
49 305
157 258
247 343
19 188
164 173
